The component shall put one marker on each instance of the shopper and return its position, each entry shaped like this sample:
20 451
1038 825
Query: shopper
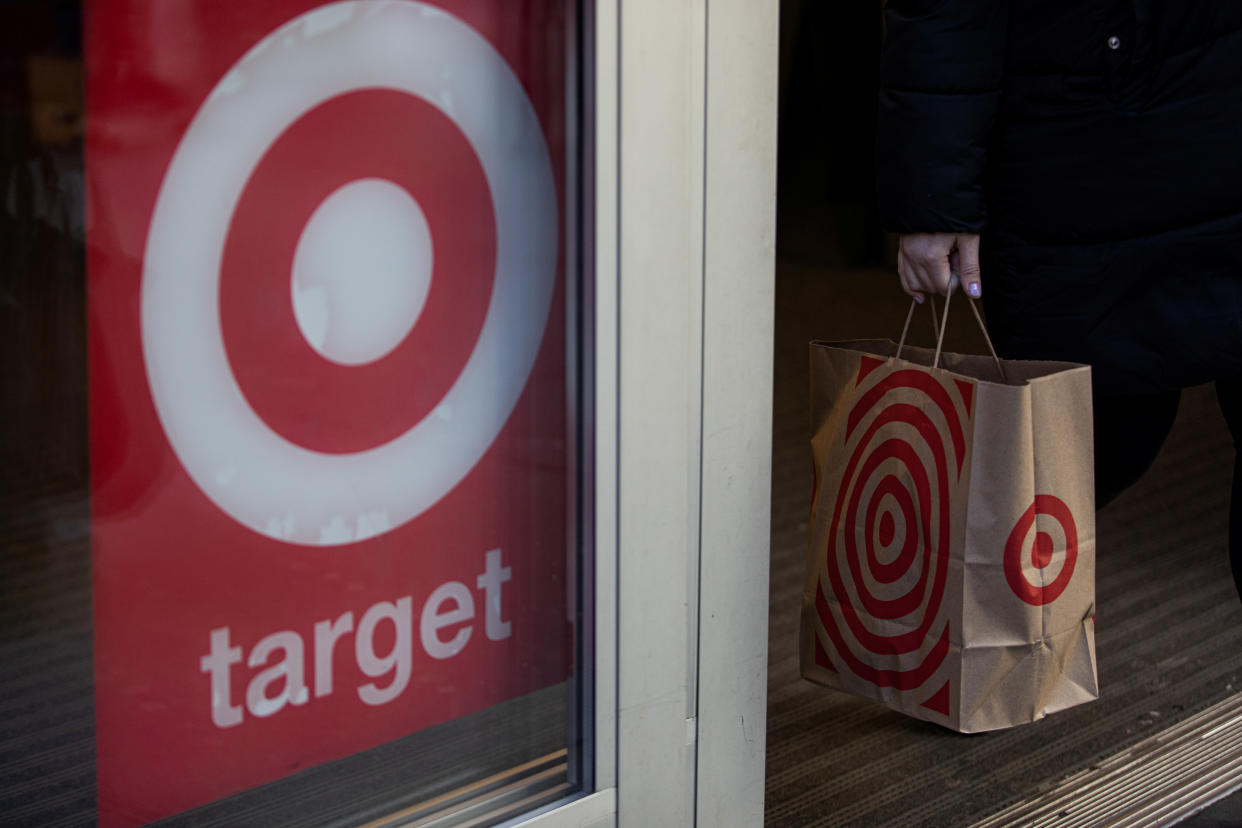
1078 163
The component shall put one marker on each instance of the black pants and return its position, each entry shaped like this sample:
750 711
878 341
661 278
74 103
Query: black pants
1129 432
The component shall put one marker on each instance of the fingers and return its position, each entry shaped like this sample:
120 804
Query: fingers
924 262
911 270
938 273
968 264
936 262
907 283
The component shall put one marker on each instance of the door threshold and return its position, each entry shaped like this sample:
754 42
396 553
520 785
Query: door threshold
1161 780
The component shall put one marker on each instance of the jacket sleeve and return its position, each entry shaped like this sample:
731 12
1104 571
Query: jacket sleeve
941 73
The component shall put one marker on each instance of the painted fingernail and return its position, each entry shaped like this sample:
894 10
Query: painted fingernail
919 299
974 290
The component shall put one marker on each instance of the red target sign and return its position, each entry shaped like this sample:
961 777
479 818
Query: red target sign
886 559
1035 570
374 68
329 437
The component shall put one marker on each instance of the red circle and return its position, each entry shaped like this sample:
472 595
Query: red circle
900 451
312 401
1042 553
1042 550
888 529
887 573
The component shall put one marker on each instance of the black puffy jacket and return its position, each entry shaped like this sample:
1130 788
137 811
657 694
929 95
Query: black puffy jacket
1097 146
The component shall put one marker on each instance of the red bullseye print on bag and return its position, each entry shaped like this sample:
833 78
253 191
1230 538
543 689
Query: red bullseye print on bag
327 371
890 532
943 577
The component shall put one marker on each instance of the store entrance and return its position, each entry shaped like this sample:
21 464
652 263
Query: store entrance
1169 628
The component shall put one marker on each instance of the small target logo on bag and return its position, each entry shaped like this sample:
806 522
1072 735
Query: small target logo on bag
1041 551
349 270
886 562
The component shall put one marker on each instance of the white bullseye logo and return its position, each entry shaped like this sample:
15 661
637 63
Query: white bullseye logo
362 271
360 276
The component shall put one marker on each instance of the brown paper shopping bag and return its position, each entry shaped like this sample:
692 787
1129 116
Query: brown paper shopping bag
951 566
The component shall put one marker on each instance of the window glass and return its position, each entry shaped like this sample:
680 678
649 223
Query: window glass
290 435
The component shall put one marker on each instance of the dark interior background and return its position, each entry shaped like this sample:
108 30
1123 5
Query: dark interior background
829 82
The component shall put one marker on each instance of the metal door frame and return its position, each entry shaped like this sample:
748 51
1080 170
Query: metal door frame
682 162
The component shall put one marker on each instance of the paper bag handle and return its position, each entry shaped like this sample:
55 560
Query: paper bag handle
941 328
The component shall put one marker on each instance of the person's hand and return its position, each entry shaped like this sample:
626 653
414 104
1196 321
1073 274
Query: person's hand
927 263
